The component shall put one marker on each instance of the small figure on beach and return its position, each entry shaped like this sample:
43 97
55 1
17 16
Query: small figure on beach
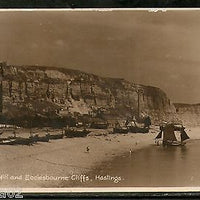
147 122
14 133
88 149
117 125
31 133
130 151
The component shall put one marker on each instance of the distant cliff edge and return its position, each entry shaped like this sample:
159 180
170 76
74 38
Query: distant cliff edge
189 114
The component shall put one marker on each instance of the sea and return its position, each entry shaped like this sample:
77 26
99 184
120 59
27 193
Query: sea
153 166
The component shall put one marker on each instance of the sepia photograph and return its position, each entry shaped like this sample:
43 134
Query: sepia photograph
99 99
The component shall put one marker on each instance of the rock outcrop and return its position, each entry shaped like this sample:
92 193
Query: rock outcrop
57 92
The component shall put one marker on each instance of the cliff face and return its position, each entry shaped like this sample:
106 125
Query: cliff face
53 92
188 113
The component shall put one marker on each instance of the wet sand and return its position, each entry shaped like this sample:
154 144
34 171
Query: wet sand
67 156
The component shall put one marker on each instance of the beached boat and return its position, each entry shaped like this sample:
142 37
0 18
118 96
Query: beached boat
56 136
74 132
44 138
123 130
19 140
7 138
120 128
26 141
167 135
99 124
136 129
7 142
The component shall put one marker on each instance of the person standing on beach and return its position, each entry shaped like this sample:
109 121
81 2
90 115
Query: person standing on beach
147 122
117 125
130 151
14 133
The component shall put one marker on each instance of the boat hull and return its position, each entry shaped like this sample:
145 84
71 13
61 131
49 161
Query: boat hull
8 142
76 133
173 144
43 138
120 130
134 129
19 141
56 136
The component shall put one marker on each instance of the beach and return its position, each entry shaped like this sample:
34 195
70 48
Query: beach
48 164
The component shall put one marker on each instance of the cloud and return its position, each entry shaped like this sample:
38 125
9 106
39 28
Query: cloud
160 49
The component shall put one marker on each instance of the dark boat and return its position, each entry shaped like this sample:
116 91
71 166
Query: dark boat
135 129
168 137
74 132
7 141
56 136
120 130
19 140
44 138
99 124
26 141
8 138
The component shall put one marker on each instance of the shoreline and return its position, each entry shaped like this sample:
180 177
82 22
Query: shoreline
68 156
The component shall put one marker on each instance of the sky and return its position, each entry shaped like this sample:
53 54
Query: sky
160 49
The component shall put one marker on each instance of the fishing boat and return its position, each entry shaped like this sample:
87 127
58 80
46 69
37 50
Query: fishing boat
136 129
75 132
44 138
26 141
56 136
7 141
122 130
167 135
99 124
7 138
19 140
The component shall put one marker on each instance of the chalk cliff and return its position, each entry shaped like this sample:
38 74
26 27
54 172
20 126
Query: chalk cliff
189 114
57 92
